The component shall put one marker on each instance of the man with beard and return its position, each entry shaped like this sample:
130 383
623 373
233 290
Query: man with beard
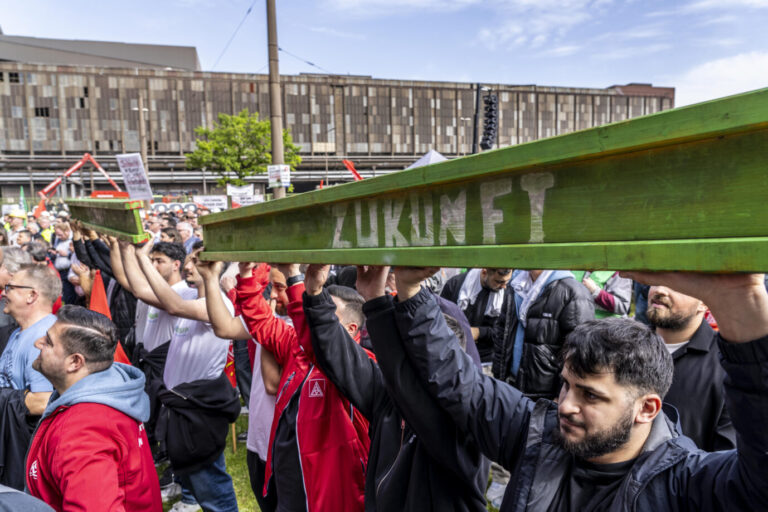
697 387
606 444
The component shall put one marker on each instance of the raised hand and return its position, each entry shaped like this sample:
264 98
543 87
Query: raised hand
408 280
315 278
372 281
209 270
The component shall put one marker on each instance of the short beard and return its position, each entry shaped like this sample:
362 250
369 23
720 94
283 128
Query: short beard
600 443
673 322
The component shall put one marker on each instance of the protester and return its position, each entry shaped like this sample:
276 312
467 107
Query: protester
531 329
418 458
23 237
151 350
265 380
29 296
15 225
170 235
697 387
481 294
198 400
90 451
611 292
606 445
46 230
13 258
308 474
188 237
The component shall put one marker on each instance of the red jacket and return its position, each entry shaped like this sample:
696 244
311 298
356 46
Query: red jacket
91 457
332 436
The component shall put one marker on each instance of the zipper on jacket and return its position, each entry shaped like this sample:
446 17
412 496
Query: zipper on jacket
282 390
394 463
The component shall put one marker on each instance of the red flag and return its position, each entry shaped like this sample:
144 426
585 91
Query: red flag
229 368
39 209
99 304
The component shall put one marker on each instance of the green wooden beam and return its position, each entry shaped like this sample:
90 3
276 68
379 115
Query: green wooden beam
650 193
116 217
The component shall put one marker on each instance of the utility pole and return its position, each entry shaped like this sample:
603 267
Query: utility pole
275 98
143 133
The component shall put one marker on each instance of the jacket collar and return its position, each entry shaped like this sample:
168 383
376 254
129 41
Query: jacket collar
702 341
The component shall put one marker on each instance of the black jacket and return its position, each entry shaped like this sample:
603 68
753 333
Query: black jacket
562 305
475 313
697 392
194 421
16 428
122 304
670 474
153 365
418 460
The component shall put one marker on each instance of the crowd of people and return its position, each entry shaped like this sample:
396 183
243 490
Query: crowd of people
369 387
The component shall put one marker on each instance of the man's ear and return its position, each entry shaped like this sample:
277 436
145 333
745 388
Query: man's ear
702 308
650 407
75 362
352 328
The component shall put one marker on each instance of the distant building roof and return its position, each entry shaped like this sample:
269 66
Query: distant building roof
97 53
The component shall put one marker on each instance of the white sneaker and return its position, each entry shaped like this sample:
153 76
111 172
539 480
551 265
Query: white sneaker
170 492
180 506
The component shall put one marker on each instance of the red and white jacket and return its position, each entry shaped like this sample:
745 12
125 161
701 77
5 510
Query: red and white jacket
91 457
332 436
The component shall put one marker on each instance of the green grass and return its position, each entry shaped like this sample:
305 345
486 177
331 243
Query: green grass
237 467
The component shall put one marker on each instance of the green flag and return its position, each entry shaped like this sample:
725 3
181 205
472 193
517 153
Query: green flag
22 201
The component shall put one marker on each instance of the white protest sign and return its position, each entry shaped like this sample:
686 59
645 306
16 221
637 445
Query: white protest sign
245 200
279 175
243 190
134 176
212 202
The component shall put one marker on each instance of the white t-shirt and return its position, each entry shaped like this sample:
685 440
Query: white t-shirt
158 325
261 409
674 347
195 352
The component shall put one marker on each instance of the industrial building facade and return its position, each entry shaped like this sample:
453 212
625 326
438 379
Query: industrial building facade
50 113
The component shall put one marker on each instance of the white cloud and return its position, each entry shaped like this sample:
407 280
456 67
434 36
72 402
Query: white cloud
722 77
563 51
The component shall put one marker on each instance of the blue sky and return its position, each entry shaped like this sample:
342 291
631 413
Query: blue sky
704 48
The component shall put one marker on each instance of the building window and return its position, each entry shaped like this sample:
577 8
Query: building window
111 146
14 78
2 77
82 102
97 145
85 92
42 112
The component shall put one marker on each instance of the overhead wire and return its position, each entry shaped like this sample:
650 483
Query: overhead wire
226 46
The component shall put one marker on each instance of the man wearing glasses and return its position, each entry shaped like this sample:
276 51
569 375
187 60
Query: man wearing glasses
24 392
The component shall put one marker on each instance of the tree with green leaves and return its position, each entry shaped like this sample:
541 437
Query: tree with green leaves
239 145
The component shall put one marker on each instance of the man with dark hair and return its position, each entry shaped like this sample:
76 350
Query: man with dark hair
697 388
154 326
418 459
23 237
170 235
606 444
90 451
318 445
481 293
531 329
198 402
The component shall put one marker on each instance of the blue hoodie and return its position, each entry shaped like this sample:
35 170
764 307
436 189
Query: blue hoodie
120 386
